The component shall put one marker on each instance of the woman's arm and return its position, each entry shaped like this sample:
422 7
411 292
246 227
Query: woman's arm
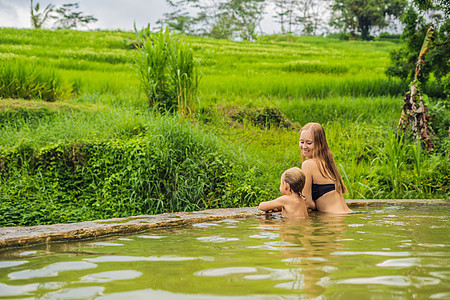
308 168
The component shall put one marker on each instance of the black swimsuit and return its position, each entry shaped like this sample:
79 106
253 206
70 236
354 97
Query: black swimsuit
318 190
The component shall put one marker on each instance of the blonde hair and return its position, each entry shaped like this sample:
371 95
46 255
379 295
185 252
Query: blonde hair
295 178
323 155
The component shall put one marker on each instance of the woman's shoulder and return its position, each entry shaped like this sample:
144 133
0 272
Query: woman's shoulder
309 164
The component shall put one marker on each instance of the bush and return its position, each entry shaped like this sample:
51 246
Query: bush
266 117
175 167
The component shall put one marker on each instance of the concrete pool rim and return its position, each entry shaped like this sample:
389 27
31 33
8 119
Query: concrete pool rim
41 234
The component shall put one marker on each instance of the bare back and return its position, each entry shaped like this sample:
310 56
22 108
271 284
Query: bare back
331 201
294 207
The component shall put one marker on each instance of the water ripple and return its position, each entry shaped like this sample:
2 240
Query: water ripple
159 294
154 237
123 258
216 239
377 253
204 225
17 290
111 276
52 270
90 292
106 244
445 295
8 264
225 271
265 235
395 280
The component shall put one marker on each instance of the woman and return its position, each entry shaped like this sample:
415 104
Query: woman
324 187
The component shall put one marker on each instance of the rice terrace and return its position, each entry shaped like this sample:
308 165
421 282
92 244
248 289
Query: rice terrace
95 150
156 123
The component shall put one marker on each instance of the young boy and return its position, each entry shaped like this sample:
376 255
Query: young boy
292 203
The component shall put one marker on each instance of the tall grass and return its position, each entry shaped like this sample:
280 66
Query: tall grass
314 67
311 86
69 124
186 76
28 81
168 72
152 68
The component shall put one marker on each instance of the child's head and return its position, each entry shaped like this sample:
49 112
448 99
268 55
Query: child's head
295 178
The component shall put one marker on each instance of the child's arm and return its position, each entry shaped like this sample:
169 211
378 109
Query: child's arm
273 204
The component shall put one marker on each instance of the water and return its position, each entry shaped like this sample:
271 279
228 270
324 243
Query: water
395 252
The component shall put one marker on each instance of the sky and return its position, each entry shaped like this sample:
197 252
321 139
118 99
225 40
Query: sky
111 14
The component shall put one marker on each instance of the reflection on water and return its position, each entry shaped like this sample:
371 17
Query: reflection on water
393 252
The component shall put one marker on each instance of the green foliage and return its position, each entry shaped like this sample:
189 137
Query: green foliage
244 16
363 16
175 167
436 68
434 72
405 170
267 117
168 72
28 81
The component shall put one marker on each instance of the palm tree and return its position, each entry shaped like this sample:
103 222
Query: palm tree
39 18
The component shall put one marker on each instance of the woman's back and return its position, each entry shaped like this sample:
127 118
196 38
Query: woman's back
320 191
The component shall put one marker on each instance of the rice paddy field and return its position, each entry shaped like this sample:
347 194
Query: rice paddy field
78 140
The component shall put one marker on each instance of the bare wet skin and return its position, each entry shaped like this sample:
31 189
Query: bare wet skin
400 252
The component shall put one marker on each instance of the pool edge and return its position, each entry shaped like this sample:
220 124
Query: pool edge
32 235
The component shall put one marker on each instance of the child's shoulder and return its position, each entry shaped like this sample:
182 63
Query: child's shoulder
290 198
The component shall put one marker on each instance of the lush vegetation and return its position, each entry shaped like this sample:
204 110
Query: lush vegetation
98 151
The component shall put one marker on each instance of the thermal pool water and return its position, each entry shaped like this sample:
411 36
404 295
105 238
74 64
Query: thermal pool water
391 252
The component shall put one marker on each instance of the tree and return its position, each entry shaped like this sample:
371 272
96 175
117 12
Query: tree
68 18
430 74
364 15
217 18
300 15
178 18
285 14
39 18
246 16
418 18
311 15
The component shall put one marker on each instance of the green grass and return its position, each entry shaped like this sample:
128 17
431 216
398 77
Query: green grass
101 152
19 79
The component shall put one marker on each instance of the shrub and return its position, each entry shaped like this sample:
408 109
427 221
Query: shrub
175 167
266 117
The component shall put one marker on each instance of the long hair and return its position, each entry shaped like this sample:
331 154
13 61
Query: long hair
295 178
323 155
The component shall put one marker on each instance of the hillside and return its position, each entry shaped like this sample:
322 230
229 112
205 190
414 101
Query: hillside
99 151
